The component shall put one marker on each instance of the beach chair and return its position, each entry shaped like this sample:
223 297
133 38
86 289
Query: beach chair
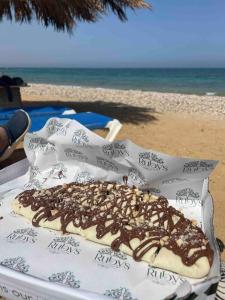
10 95
40 115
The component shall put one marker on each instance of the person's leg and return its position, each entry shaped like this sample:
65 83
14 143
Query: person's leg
4 141
13 132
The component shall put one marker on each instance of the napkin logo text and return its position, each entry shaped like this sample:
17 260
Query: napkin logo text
188 198
197 167
16 263
80 138
115 150
106 164
34 171
110 259
136 177
163 277
66 278
74 154
26 235
121 293
151 161
38 143
64 245
19 294
84 177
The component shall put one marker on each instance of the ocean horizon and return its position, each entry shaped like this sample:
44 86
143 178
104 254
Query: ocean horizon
199 81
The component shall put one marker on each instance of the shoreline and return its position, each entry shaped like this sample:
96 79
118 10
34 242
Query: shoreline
160 102
209 93
36 85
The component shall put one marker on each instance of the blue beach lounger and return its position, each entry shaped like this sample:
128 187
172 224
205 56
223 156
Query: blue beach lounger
40 115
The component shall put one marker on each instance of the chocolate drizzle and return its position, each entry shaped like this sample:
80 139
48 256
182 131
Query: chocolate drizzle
127 213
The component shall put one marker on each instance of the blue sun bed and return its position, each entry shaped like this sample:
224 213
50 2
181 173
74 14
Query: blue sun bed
40 115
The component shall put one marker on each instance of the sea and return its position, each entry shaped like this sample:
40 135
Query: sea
185 81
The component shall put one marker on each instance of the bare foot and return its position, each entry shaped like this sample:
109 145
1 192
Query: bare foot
4 142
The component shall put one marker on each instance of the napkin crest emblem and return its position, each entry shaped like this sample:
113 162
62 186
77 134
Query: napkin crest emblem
108 150
115 150
197 166
106 164
151 161
63 130
163 277
121 293
25 235
111 259
54 126
17 264
65 245
75 154
84 177
80 138
187 194
66 278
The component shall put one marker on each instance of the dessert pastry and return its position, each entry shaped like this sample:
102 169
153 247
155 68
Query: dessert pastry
124 218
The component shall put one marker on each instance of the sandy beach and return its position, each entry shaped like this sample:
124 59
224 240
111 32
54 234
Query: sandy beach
180 125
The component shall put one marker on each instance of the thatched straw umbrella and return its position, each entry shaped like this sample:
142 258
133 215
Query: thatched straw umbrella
64 14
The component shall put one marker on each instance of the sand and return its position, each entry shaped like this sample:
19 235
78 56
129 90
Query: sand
180 125
160 102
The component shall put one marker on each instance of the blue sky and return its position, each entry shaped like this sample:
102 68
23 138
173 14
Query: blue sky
176 33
